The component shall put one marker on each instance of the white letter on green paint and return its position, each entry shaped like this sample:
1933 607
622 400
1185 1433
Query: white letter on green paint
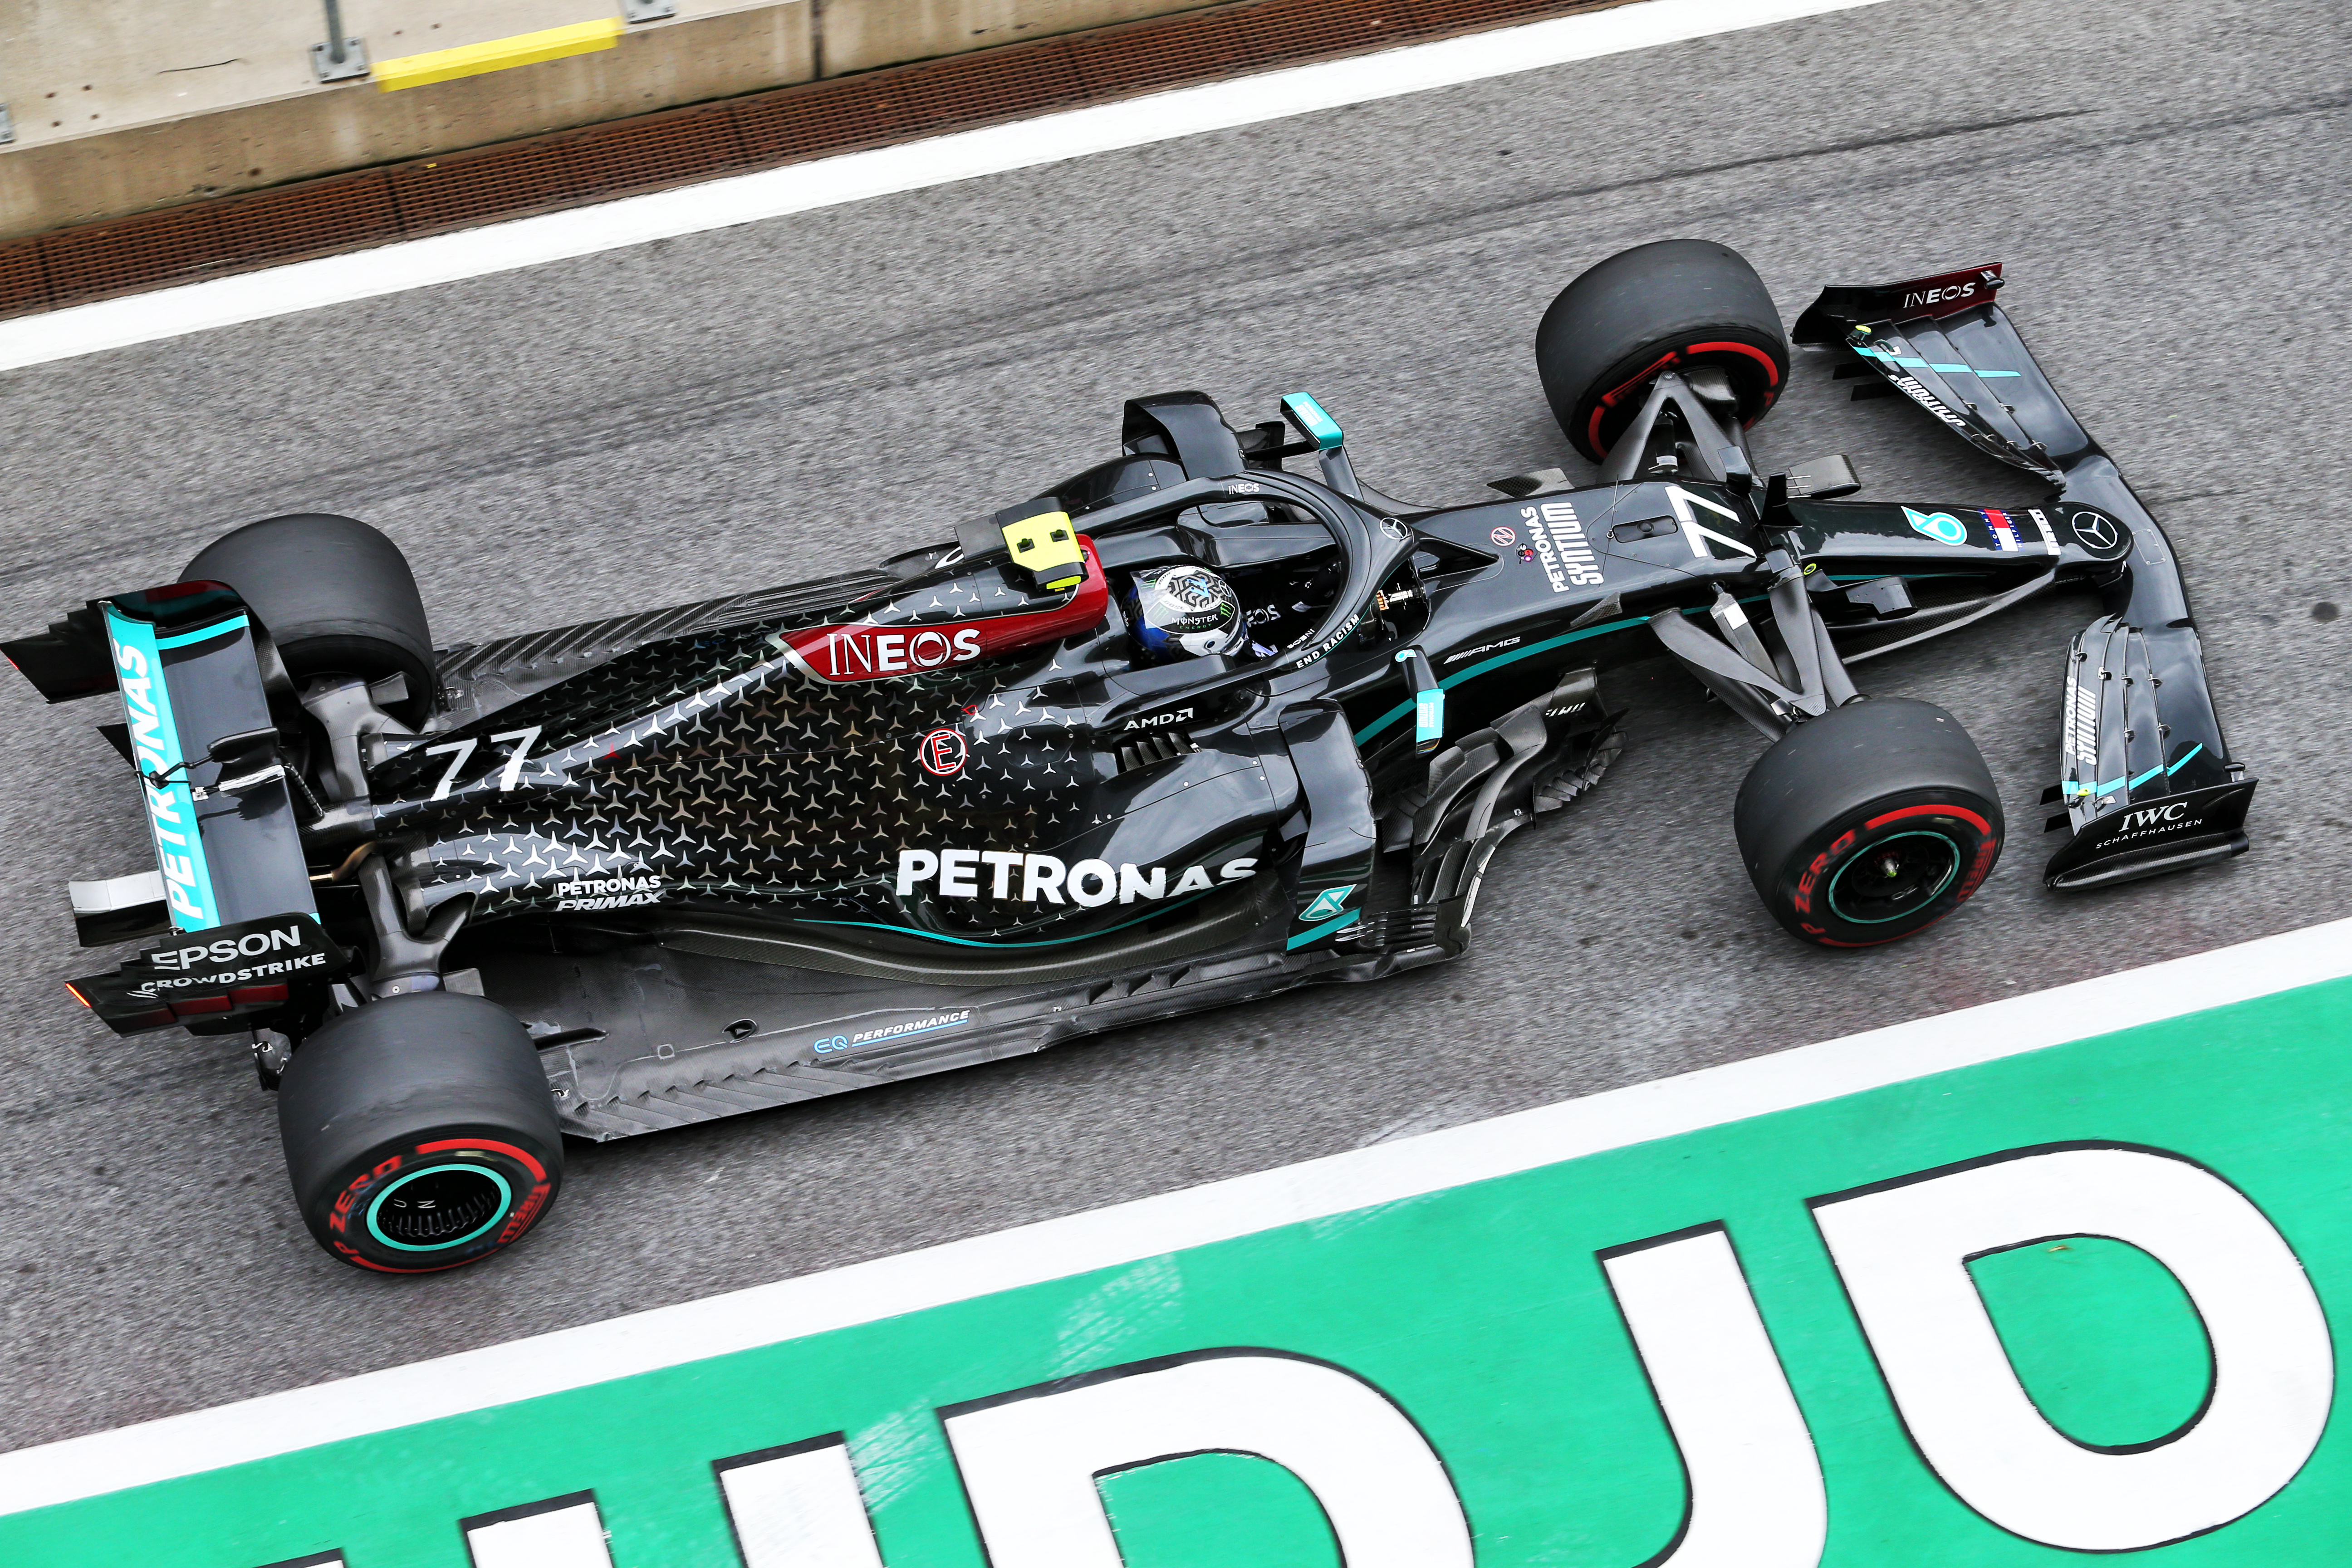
561 1533
799 1508
1903 1253
1756 1496
1030 1460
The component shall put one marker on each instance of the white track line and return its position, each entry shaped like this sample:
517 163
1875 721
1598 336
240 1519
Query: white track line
799 187
1149 1228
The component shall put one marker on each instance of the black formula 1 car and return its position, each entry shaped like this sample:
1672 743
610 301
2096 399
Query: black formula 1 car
652 870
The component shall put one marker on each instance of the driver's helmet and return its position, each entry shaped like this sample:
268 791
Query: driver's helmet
1185 611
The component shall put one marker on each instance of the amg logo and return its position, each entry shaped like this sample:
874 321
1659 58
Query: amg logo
253 944
1153 721
1482 648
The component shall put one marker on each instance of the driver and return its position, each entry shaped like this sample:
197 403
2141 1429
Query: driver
1186 612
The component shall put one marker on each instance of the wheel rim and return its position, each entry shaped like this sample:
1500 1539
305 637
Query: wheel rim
1899 875
440 1208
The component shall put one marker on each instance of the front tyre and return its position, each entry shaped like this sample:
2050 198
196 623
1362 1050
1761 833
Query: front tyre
1869 824
420 1133
1676 304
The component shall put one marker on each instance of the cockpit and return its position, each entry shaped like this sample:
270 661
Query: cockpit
1243 579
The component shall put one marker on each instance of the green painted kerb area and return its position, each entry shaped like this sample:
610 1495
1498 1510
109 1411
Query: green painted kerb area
1484 1313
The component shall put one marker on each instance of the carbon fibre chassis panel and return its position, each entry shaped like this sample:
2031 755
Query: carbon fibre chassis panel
692 1036
688 1026
478 678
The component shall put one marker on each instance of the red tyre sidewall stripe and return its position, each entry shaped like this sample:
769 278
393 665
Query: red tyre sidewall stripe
1882 941
1988 846
538 1171
1609 399
1909 811
1750 350
344 1251
1670 358
524 1216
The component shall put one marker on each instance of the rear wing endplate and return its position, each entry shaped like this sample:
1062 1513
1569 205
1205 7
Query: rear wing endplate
218 799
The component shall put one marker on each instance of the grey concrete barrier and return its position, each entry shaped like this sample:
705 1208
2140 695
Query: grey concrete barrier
123 106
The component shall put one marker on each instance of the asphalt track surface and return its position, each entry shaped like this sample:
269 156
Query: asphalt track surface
805 394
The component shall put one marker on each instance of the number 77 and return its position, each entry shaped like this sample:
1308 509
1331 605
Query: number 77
524 741
508 777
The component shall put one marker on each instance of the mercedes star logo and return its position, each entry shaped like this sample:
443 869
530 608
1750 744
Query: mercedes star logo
2095 531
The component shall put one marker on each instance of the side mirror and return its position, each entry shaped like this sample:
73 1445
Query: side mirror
1317 427
1822 479
1738 476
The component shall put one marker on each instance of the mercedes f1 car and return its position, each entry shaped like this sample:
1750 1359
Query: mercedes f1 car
623 876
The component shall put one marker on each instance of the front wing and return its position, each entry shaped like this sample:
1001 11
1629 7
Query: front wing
2147 778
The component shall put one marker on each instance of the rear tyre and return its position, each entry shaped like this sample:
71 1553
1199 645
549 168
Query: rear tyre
337 596
1869 824
1678 304
420 1133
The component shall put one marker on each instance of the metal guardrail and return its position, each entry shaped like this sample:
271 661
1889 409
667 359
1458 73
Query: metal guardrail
341 57
338 58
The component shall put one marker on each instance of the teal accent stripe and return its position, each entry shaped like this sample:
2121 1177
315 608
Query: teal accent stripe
2079 790
205 633
1312 932
1486 665
506 1203
188 892
1319 426
968 942
1879 354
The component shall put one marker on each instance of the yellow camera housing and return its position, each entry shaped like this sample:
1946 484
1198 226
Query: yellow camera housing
1045 546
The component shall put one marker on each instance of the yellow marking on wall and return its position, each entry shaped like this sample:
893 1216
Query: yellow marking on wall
499 54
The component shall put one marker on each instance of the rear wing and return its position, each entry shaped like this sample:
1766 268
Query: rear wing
2146 777
200 736
219 801
220 806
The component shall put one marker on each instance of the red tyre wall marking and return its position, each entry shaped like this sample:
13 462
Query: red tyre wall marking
1986 850
1672 357
525 1213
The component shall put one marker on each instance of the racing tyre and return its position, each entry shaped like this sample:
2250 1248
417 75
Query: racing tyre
337 596
419 1132
1678 304
1868 824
